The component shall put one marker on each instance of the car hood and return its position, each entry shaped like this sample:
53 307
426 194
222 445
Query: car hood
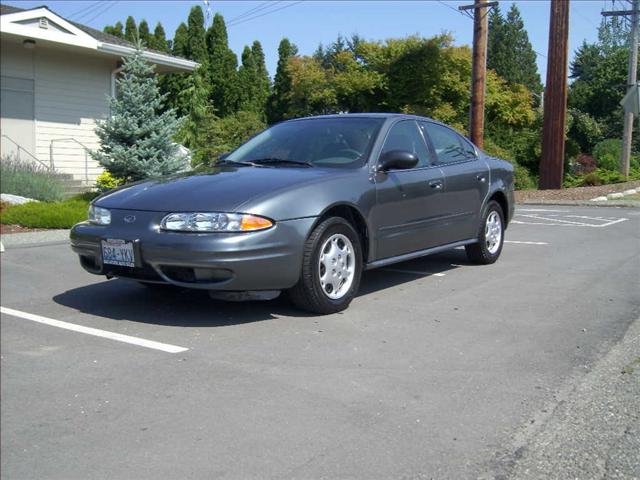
217 189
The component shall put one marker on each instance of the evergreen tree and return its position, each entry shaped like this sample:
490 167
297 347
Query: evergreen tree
223 65
510 52
172 84
131 30
115 30
144 34
159 39
179 47
248 82
136 139
263 88
194 132
277 105
196 42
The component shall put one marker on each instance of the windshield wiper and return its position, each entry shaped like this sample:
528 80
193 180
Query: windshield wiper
237 162
273 160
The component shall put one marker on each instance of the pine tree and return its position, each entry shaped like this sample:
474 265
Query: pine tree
159 39
277 105
248 82
131 30
223 65
194 132
172 84
196 42
262 76
136 139
144 34
115 30
510 52
179 47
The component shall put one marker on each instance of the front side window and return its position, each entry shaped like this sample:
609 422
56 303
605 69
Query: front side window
405 136
449 146
324 142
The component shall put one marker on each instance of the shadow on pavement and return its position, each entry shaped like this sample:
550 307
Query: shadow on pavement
127 300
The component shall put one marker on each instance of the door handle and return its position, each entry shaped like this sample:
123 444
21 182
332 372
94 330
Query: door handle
437 184
481 178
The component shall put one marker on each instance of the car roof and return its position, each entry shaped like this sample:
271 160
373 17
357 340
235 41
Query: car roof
365 115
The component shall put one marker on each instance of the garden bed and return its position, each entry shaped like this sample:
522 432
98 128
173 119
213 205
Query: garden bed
576 193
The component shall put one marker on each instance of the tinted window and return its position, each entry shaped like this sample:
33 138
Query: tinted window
327 142
449 146
406 136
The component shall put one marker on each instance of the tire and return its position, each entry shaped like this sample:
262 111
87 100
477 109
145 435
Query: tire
322 290
490 240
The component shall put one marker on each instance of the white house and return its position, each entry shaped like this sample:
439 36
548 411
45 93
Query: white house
55 79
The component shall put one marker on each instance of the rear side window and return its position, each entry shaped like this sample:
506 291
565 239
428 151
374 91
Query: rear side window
449 146
405 136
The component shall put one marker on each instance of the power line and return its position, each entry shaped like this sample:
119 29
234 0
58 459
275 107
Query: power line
452 8
256 9
263 14
102 11
85 8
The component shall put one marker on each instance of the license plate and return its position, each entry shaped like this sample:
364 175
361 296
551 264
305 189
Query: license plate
118 252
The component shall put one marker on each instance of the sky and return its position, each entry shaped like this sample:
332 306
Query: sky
310 22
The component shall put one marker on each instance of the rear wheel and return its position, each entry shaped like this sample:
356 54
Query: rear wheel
490 236
331 268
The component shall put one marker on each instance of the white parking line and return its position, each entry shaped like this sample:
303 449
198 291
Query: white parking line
552 220
538 210
141 342
525 243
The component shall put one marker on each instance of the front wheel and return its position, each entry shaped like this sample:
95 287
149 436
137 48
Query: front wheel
490 237
331 268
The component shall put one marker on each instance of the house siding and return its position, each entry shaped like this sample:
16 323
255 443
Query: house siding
70 95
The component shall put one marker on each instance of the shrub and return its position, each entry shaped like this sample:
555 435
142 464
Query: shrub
523 178
591 180
46 214
608 152
106 181
29 179
583 164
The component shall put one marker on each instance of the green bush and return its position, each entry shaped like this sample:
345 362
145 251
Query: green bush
599 177
608 152
523 179
29 179
46 214
106 181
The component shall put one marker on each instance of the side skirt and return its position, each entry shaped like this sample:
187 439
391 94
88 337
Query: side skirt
420 253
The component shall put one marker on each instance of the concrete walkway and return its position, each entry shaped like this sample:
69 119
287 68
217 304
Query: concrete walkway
13 240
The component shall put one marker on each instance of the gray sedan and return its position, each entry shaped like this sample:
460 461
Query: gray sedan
305 207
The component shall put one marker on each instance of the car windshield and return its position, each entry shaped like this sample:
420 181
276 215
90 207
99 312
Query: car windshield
322 142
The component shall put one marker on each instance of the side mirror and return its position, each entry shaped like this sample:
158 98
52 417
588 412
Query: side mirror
397 160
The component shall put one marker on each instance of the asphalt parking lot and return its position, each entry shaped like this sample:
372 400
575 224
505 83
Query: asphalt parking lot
438 369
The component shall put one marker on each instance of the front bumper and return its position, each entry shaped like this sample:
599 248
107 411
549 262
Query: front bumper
263 260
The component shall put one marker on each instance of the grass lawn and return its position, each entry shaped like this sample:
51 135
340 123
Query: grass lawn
62 214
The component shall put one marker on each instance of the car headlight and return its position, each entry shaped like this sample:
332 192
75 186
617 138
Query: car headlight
99 215
214 222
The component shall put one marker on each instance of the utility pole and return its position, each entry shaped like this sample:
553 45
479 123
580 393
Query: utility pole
632 75
555 98
479 72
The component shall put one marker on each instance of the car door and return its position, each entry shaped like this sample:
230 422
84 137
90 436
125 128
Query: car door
408 202
466 180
